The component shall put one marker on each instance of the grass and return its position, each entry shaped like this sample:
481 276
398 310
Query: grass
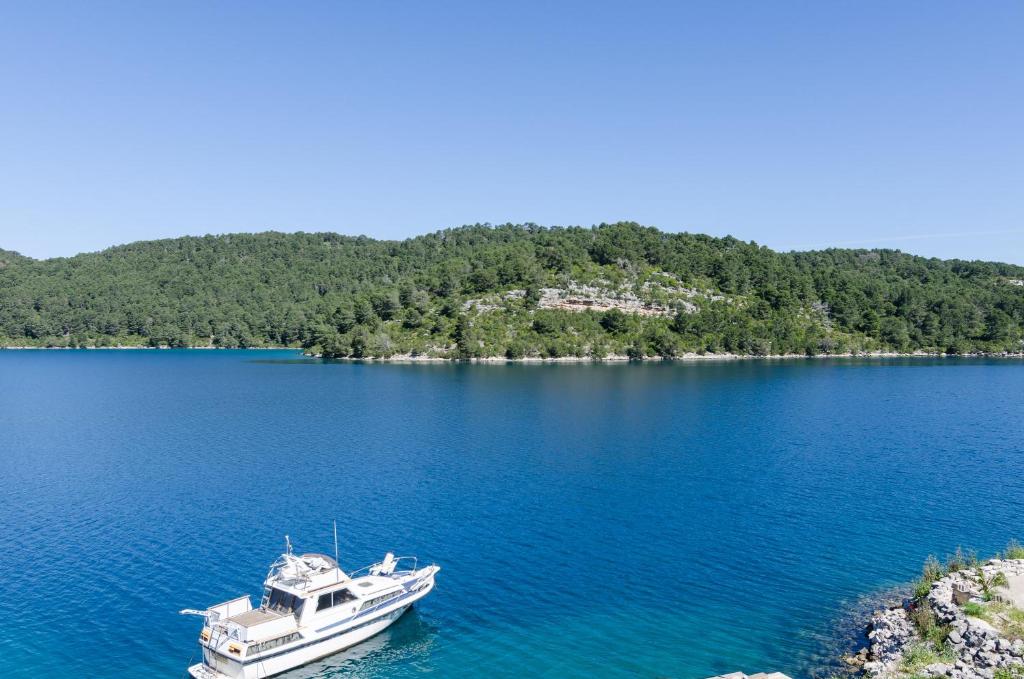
976 610
1004 617
1007 619
920 655
937 635
1015 671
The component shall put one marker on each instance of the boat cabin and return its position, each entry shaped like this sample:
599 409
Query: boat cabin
308 590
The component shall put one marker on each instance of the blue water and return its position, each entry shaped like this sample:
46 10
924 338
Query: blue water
593 520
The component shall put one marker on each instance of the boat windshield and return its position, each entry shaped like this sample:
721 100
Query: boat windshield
283 602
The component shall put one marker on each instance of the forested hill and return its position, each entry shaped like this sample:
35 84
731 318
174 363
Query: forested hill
513 291
8 257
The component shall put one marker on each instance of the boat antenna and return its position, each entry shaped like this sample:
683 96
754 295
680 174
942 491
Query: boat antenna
337 568
287 545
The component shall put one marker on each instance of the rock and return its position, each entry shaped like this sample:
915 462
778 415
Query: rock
979 647
891 632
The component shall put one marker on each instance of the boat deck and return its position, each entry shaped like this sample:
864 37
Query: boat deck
254 617
201 671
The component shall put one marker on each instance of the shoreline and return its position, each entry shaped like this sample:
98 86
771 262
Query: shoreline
688 357
681 358
134 348
960 624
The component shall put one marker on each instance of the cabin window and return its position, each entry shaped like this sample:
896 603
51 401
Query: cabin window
336 598
381 599
283 602
273 643
343 596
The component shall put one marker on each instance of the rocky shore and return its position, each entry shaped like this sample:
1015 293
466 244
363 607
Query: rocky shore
681 358
442 357
968 625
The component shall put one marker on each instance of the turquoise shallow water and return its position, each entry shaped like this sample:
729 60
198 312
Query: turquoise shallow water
608 520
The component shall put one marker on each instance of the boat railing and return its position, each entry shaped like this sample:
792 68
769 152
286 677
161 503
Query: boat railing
402 564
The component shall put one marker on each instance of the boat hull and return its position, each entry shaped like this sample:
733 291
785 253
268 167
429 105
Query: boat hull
216 666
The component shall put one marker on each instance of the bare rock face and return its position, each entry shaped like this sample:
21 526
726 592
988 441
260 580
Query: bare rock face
891 633
665 296
583 298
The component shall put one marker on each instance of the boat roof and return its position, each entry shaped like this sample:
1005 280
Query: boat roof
362 587
311 575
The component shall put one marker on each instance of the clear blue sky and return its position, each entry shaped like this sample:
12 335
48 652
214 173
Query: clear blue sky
795 124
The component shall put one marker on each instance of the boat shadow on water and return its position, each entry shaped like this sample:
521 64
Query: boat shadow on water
411 637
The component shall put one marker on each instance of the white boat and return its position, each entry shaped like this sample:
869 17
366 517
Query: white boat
310 609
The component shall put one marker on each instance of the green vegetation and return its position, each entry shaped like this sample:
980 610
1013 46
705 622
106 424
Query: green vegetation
975 610
1013 550
989 582
1009 620
483 291
1004 617
930 572
933 647
933 570
920 655
960 560
924 620
1015 671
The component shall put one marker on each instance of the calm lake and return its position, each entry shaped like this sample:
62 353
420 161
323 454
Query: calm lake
675 520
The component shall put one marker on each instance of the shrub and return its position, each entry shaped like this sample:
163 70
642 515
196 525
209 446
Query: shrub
937 635
516 349
959 560
921 589
930 572
932 569
990 582
923 618
1014 550
614 321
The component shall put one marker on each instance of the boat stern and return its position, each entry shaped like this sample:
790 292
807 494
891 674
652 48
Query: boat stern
203 671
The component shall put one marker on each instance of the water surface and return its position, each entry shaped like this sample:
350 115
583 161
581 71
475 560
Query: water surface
591 520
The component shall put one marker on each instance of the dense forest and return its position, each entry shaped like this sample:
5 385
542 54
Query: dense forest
509 291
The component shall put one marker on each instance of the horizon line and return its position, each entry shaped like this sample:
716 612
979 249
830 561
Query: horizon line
848 244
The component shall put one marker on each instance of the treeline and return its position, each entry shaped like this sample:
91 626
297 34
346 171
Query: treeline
360 297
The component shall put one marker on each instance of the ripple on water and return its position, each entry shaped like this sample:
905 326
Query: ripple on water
618 521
